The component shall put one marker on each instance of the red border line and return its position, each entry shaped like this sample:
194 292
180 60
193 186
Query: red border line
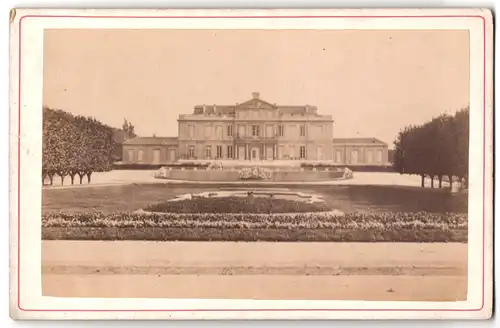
242 310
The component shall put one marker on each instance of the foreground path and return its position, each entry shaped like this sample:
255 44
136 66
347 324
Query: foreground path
350 271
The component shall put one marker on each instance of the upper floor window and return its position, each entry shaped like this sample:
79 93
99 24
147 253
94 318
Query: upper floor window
219 151
303 130
229 130
255 130
208 151
208 131
281 130
190 131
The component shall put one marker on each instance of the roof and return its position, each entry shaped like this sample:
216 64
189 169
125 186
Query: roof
151 141
358 141
254 102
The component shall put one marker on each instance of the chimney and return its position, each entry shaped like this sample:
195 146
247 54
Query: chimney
255 95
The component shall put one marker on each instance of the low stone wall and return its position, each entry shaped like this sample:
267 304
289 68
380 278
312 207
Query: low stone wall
201 175
305 176
229 175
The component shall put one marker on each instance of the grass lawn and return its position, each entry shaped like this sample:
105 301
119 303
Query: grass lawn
355 198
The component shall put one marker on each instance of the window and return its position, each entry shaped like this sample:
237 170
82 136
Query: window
302 152
219 151
218 131
130 155
255 130
190 131
208 132
140 155
281 130
338 156
191 152
229 130
354 157
229 151
302 130
369 156
241 131
208 151
319 153
269 131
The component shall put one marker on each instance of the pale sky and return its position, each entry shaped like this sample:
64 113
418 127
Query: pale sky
372 82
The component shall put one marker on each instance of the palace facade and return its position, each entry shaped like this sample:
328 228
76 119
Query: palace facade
255 130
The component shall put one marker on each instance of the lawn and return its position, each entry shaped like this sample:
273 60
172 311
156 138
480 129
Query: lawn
355 198
109 201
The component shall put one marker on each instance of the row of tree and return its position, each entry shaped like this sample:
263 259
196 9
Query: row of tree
75 146
436 149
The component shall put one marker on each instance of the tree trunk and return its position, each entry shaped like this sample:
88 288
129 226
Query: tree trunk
432 181
89 174
81 177
464 182
423 180
51 178
72 178
62 180
440 177
450 177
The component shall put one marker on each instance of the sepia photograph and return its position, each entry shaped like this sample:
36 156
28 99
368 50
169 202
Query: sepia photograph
262 164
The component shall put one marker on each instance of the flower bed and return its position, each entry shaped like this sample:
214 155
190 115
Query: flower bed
321 226
237 205
351 221
255 173
252 235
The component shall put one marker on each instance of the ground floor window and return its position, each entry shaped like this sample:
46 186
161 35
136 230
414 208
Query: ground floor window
302 152
354 157
140 155
369 156
338 156
131 155
191 152
229 151
219 151
208 151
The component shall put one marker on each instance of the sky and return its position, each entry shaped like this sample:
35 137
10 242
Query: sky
373 83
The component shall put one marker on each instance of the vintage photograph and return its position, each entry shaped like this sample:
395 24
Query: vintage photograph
255 164
260 163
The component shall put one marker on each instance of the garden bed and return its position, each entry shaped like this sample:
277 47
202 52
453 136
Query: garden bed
237 205
322 226
252 235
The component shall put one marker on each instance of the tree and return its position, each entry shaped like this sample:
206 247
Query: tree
128 128
437 148
460 128
75 146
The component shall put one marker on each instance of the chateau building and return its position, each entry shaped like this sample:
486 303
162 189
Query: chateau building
255 130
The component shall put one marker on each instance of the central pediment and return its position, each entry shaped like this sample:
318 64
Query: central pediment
256 102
